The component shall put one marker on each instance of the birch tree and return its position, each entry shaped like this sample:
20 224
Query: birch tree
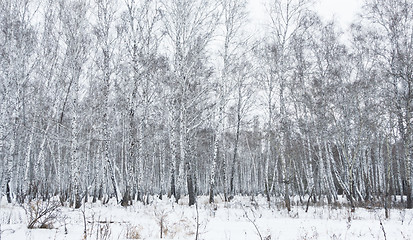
17 51
73 16
286 20
234 17
142 36
392 21
106 41
189 26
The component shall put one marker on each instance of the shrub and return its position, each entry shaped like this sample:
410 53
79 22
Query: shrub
41 214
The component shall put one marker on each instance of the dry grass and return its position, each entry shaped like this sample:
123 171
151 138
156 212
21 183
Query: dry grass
133 232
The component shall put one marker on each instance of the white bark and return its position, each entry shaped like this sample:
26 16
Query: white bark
27 181
309 167
329 162
75 159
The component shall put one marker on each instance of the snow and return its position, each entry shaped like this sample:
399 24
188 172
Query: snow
234 220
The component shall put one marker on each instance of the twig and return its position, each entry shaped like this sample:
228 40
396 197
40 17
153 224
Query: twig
382 228
6 230
255 225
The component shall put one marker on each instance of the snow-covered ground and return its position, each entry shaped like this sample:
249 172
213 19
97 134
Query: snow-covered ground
242 218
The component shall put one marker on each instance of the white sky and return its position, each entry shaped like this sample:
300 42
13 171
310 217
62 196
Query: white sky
343 11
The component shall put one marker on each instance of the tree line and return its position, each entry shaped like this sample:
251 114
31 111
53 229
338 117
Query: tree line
126 99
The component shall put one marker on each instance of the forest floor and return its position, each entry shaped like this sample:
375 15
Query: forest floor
242 218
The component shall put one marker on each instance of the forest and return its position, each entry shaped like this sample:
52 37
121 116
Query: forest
139 99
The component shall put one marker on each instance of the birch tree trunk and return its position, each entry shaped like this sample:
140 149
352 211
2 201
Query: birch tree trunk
269 136
235 161
75 160
215 154
172 140
329 161
28 163
217 142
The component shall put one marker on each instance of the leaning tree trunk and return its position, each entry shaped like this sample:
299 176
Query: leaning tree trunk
106 129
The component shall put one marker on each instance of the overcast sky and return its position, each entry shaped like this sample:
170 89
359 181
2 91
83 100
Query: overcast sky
343 11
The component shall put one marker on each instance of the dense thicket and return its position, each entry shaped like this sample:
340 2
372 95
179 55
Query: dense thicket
132 98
